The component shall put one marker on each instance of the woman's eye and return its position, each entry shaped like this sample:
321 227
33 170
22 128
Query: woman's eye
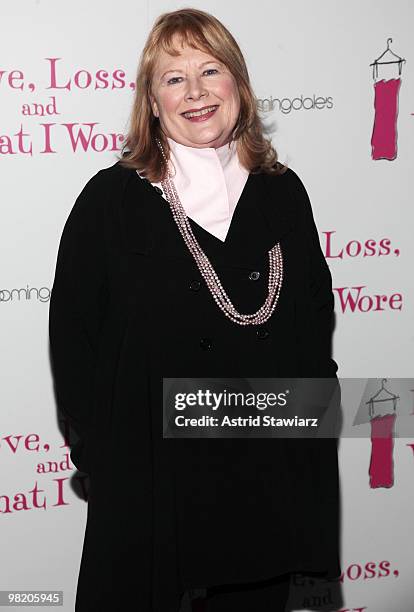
173 79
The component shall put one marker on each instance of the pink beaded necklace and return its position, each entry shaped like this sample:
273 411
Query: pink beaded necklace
206 269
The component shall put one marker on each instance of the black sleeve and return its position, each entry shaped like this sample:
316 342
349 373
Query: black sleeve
318 331
77 307
320 292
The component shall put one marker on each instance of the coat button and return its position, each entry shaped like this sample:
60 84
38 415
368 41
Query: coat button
254 275
195 285
262 333
157 189
206 343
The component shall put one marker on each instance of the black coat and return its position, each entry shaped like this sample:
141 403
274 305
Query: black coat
129 307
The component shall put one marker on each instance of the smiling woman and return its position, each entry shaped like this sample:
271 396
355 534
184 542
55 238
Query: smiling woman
191 63
195 255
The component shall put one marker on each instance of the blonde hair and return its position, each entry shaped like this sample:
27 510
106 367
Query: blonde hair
202 31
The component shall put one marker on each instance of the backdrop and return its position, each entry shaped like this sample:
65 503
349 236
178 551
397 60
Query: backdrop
335 85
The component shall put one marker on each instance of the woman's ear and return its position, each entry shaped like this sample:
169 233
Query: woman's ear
154 105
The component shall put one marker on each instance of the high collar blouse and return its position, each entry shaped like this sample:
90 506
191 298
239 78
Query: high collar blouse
209 183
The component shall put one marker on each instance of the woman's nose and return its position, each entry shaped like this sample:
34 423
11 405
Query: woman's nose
195 88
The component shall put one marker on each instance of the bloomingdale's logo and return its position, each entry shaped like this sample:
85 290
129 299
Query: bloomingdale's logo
42 294
286 105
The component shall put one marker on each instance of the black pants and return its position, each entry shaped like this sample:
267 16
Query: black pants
265 596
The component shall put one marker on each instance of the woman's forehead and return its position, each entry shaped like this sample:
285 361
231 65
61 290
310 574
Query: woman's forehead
179 43
166 58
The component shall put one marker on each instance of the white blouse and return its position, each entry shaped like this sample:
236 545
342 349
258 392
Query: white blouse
209 183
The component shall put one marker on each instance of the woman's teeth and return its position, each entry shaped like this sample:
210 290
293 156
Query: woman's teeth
205 111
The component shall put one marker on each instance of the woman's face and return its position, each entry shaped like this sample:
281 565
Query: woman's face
194 80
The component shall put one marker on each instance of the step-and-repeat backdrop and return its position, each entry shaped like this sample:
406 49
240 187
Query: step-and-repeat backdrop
335 86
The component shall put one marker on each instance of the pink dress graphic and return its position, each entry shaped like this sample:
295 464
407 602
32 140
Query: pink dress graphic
384 133
381 469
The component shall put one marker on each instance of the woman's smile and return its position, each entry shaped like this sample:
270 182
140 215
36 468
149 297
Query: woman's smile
201 115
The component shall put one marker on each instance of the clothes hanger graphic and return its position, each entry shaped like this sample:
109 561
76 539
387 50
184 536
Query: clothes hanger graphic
387 57
382 395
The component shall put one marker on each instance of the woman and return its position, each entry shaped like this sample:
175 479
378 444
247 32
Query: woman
133 303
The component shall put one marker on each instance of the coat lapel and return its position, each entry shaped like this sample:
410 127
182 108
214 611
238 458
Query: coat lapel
135 212
265 216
